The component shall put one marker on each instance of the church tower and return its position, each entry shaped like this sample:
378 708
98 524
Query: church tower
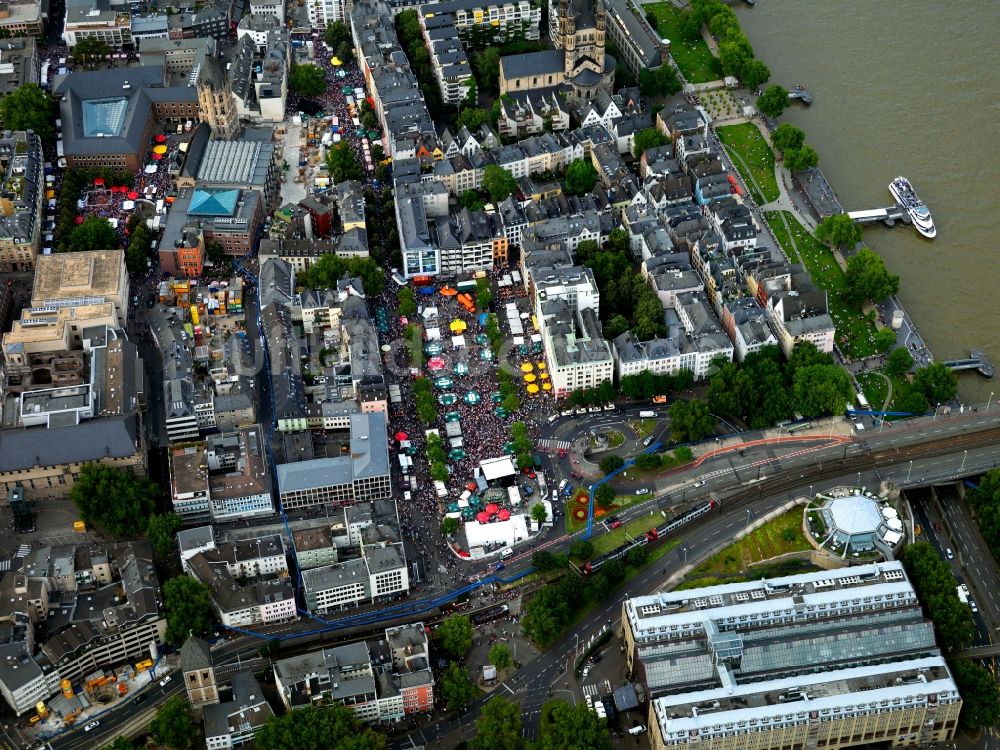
216 102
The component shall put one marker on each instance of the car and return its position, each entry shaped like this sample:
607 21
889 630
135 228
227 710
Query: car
609 407
586 671
972 606
164 681
562 453
580 411
614 522
92 725
642 491
139 698
937 528
528 489
648 441
700 483
594 409
949 554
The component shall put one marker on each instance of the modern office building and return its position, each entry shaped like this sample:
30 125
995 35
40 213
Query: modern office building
361 474
833 659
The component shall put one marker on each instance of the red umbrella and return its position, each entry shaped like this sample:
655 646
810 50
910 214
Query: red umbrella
133 195
157 157
401 436
78 220
98 180
504 515
483 517
492 508
160 138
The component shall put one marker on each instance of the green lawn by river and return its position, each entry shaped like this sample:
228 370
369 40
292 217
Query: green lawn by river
854 331
694 59
755 157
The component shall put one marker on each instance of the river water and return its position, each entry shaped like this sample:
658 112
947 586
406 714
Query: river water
907 88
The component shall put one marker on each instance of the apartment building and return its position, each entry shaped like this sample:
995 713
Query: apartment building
22 196
257 601
380 574
638 43
833 659
380 681
363 474
801 316
235 722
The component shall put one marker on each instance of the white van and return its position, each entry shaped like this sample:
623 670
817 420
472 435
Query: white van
506 552
637 730
553 418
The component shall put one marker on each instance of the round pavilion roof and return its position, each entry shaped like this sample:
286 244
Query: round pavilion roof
856 514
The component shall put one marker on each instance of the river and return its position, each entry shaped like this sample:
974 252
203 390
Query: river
906 88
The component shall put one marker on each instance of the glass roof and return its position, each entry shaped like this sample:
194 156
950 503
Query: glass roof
104 117
856 515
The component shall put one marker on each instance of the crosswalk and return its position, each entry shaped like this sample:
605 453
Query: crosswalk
22 551
554 445
590 690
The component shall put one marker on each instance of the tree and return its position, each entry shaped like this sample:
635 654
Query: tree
648 461
120 743
499 656
839 230
867 278
28 107
368 117
580 177
785 136
662 81
449 526
936 383
486 67
511 403
95 233
980 695
647 139
638 557
801 159
936 589
306 80
472 200
456 687
821 390
326 272
755 74
337 34
546 615
899 361
188 604
538 513
214 252
582 549
498 182
455 635
139 245
690 421
683 454
161 531
910 401
611 463
116 500
604 496
173 725
342 164
499 725
328 727
885 339
472 118
572 728
90 48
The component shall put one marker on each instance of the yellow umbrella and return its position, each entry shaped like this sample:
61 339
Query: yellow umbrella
161 149
547 386
532 389
336 62
544 376
527 367
541 365
458 326
530 378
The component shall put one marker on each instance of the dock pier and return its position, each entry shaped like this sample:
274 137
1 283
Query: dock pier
978 361
888 216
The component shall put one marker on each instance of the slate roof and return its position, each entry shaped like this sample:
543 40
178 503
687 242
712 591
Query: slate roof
538 63
91 440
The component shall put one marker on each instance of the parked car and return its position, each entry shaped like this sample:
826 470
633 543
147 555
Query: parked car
642 491
528 489
950 555
648 441
164 681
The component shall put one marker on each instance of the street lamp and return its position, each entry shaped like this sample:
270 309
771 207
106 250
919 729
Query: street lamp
748 517
909 471
685 550
990 401
965 455
859 480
